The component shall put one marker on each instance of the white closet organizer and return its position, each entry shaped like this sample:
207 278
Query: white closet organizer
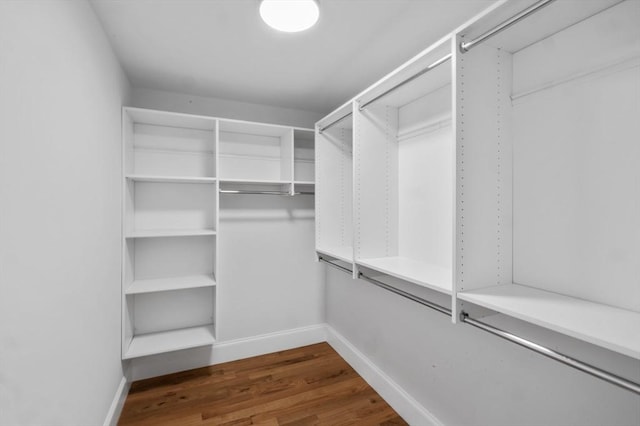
548 194
334 192
175 166
404 174
170 221
506 176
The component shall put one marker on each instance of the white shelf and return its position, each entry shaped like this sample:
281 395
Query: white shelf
169 284
157 233
342 253
420 273
170 119
256 181
167 341
304 182
171 179
612 328
251 128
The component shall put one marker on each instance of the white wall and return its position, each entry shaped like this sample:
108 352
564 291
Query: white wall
61 91
464 376
190 104
270 288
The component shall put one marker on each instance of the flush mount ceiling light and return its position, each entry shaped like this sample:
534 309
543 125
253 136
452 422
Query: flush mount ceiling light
289 16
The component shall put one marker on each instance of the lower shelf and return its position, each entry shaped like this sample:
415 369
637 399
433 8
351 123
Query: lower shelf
421 273
160 233
612 328
170 284
168 341
341 253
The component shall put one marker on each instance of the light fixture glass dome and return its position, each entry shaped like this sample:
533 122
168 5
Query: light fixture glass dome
290 15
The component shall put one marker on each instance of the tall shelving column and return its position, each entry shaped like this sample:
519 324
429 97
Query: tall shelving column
404 150
170 209
334 187
304 176
547 200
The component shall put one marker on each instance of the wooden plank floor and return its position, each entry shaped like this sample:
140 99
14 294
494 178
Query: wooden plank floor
311 385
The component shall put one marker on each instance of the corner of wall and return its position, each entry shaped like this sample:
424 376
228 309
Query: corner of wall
401 401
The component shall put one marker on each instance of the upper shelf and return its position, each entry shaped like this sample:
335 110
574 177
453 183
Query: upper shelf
421 273
171 179
249 128
612 328
170 119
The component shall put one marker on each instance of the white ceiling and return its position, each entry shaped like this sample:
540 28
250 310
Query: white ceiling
221 48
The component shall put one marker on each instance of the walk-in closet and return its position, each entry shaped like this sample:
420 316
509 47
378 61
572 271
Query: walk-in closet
320 212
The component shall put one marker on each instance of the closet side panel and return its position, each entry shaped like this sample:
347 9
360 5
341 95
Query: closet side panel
484 169
376 181
333 188
128 249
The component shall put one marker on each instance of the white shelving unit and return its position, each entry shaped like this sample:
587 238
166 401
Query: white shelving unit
174 166
506 176
334 185
265 157
547 193
169 235
404 150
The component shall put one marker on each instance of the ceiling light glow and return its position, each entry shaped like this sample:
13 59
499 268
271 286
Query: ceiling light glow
290 15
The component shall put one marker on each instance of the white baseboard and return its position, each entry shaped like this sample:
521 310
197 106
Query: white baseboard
118 402
404 404
231 350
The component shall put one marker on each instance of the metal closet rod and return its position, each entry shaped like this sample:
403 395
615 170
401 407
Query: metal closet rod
240 191
543 350
560 357
420 73
334 122
395 290
466 46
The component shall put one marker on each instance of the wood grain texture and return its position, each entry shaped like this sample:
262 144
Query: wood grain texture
311 385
